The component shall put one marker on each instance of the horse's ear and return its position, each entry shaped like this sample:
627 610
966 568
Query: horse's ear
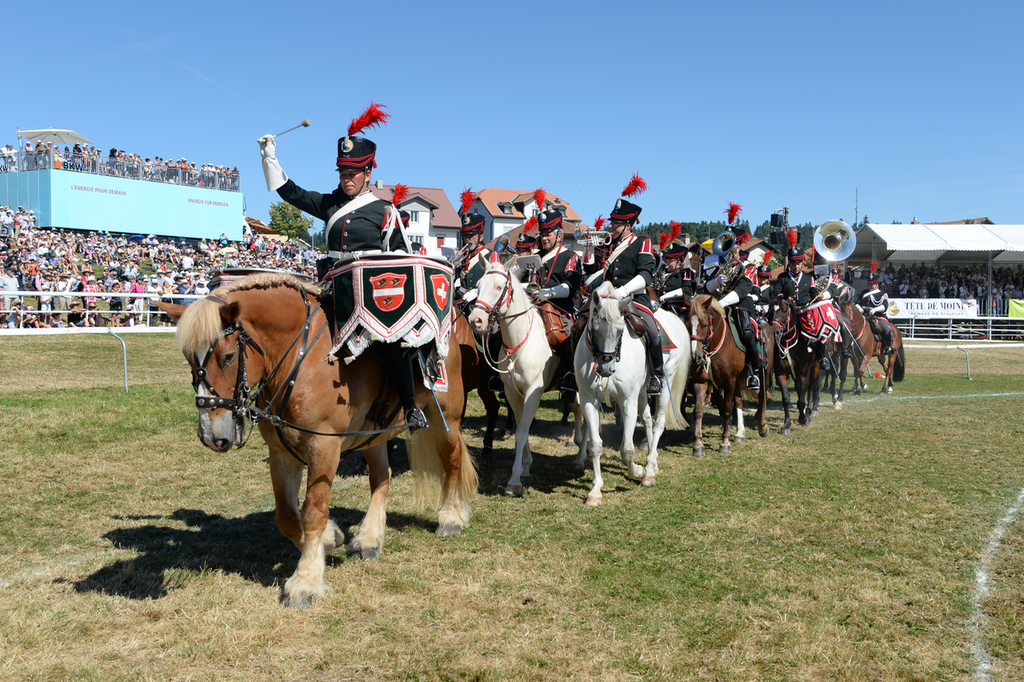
686 302
624 303
173 309
481 260
229 313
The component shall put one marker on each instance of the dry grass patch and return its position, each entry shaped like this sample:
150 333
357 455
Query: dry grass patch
844 552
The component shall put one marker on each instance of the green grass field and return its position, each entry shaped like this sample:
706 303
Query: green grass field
847 551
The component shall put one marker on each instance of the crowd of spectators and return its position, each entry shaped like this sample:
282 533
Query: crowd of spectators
62 268
964 281
118 163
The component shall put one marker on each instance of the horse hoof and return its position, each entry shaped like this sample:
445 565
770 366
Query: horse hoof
525 480
578 468
814 413
763 432
514 491
890 389
299 602
448 530
593 501
724 448
505 435
784 431
372 554
698 452
648 482
738 439
838 406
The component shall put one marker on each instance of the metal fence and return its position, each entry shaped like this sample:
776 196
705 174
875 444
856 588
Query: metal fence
962 328
122 168
23 310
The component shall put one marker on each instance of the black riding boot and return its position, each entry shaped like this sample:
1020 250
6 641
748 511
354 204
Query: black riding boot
749 339
568 386
886 333
846 343
405 383
655 357
823 359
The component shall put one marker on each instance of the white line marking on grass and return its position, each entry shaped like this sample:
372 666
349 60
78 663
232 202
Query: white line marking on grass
982 663
935 397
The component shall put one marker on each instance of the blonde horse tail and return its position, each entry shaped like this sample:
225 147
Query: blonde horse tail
426 449
678 386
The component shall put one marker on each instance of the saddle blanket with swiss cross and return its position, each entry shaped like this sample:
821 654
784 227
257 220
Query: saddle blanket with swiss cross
818 321
392 297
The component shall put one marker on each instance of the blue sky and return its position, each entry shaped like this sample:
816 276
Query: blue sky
914 106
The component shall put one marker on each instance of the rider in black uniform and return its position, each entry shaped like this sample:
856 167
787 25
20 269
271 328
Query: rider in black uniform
355 221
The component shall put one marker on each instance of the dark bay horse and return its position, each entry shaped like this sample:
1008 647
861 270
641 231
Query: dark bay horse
258 346
472 370
719 363
793 358
866 347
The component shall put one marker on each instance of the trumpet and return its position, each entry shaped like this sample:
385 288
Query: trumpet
591 238
459 259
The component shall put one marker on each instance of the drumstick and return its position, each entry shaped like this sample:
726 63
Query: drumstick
304 124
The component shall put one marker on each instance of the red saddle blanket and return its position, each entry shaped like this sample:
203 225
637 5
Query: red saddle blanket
818 321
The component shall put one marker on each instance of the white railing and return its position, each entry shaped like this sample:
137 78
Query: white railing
962 328
74 311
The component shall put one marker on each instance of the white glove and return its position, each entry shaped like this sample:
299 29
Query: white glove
669 295
731 298
271 168
714 285
877 309
544 294
633 286
470 296
826 296
560 291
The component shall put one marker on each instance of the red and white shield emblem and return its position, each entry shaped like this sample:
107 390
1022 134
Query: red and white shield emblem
388 290
440 285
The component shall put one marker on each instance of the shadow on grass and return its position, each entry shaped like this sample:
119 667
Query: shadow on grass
250 547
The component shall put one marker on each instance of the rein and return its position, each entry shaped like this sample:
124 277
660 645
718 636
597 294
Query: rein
499 312
242 405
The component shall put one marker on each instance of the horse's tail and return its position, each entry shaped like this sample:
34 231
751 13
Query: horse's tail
425 449
678 388
900 366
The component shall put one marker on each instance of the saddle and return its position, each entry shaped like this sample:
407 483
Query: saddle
634 319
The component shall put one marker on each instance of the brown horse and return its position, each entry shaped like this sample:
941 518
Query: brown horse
267 331
719 363
793 358
472 369
866 346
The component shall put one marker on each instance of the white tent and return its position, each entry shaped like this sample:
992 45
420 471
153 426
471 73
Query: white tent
941 244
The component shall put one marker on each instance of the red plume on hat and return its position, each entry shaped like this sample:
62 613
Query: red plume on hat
599 222
530 224
636 187
467 197
742 239
874 266
733 211
664 240
373 116
767 257
792 236
676 227
401 191
539 195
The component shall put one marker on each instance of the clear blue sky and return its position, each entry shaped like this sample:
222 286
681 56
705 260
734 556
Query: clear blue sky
916 105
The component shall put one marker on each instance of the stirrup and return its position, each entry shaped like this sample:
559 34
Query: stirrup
753 381
416 420
568 387
494 384
655 385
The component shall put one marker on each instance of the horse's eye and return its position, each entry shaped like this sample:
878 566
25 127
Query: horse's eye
227 359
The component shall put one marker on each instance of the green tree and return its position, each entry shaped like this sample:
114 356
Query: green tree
291 222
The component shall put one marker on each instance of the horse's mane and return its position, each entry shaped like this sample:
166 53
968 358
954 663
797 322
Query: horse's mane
698 302
607 309
200 326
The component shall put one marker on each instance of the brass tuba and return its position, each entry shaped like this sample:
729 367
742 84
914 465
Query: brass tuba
835 240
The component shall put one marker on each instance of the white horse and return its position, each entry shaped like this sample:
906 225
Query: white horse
611 366
526 363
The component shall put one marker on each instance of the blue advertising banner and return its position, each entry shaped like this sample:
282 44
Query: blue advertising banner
82 201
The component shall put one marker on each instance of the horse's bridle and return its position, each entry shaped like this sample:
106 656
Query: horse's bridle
604 355
499 311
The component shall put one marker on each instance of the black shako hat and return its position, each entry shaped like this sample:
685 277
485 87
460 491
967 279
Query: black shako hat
356 154
675 252
625 211
548 221
472 223
525 241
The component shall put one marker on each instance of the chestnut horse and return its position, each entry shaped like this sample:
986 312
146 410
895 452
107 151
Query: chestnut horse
793 358
719 363
867 347
267 331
